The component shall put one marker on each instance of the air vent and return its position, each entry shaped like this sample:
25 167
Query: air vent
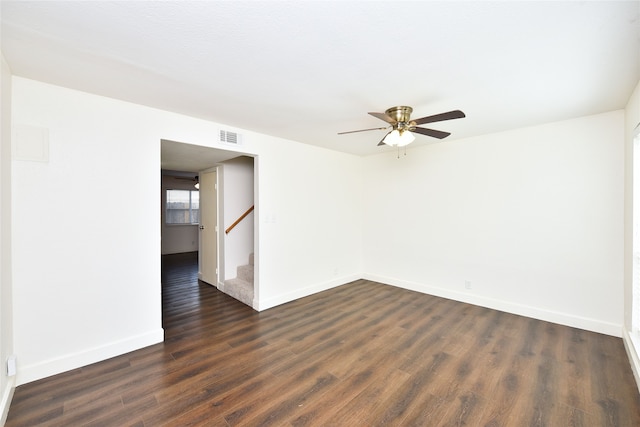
229 137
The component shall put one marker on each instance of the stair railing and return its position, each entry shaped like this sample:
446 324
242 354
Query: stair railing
243 216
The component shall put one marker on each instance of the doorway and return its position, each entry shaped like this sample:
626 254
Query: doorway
207 165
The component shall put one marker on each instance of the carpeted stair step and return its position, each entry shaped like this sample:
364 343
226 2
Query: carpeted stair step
245 272
240 290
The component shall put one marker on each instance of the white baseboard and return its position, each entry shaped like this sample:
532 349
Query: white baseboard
264 304
68 362
566 319
5 402
632 345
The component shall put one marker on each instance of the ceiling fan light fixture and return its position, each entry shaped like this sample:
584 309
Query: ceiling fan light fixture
406 138
399 138
392 138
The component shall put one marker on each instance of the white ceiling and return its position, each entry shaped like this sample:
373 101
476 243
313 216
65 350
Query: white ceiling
179 156
306 70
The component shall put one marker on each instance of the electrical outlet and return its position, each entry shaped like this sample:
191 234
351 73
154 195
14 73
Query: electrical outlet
467 284
11 366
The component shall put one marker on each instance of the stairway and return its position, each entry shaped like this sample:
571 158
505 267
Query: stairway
241 288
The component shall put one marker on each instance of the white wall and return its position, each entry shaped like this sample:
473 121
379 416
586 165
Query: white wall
532 218
176 238
86 255
6 310
632 119
87 279
237 195
310 221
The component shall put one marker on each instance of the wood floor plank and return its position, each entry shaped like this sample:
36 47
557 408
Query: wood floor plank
315 412
280 400
357 411
614 401
362 354
574 390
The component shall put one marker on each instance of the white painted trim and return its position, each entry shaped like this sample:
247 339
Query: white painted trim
506 306
632 345
261 305
7 396
51 367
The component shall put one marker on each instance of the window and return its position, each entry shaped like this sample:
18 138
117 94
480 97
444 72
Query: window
183 207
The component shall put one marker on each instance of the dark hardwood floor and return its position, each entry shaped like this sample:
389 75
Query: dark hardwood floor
364 354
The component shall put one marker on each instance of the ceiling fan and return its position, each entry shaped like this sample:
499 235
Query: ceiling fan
402 127
195 179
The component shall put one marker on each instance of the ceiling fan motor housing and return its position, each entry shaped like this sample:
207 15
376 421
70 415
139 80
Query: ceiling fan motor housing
401 115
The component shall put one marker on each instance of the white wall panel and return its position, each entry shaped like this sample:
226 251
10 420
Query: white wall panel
6 298
87 275
530 219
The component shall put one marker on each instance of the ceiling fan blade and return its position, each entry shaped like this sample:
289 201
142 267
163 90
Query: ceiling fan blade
382 140
383 116
431 132
361 130
455 114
